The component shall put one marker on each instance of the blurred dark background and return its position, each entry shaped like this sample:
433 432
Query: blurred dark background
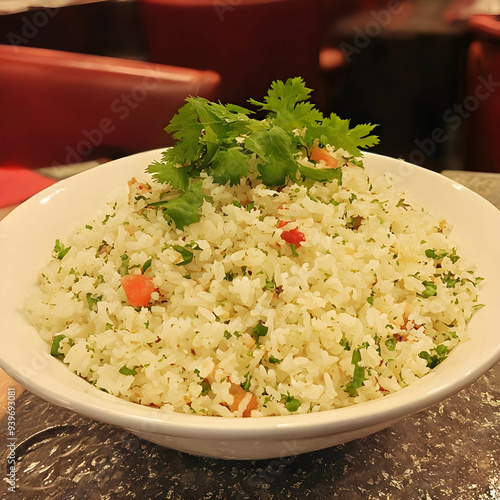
403 64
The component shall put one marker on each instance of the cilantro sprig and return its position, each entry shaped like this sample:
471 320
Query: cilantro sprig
224 141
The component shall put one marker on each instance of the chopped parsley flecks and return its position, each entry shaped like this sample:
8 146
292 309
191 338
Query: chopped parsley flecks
291 404
127 371
56 343
259 330
435 356
358 375
60 250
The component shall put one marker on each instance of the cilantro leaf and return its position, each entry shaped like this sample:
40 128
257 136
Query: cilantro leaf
185 128
177 177
321 174
229 165
185 209
223 140
285 100
273 148
337 132
283 94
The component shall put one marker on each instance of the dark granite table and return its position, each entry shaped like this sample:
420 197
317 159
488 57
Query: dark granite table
450 451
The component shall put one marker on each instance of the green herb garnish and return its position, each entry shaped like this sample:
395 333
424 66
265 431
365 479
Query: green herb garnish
186 254
245 385
345 344
205 387
259 330
222 139
125 264
358 375
60 250
127 371
430 289
432 253
92 301
390 343
56 343
436 355
270 284
449 280
274 361
291 404
146 265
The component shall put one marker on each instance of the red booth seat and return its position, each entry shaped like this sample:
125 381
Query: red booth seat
59 107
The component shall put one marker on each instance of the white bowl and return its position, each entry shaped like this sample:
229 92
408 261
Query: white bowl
27 237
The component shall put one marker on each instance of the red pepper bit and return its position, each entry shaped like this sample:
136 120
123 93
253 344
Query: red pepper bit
293 237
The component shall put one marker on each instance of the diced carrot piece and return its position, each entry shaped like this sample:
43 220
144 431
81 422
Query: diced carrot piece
238 394
319 154
138 289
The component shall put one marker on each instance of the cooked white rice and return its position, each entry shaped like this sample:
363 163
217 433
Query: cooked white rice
351 298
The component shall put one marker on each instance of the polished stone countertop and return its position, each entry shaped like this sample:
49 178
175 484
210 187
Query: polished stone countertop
449 451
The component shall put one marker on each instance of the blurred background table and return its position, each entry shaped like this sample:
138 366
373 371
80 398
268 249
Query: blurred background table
449 451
